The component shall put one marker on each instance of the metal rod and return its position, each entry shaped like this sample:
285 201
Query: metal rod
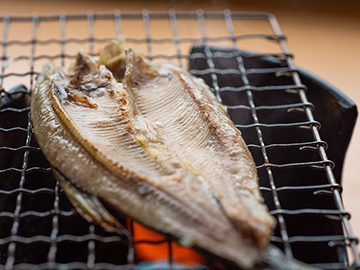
322 153
91 249
62 37
146 22
170 255
6 23
55 227
90 20
173 24
117 21
134 40
138 15
280 217
209 60
15 227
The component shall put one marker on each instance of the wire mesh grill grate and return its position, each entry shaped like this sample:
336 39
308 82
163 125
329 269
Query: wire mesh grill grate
35 213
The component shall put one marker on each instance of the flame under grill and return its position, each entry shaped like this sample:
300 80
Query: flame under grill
267 97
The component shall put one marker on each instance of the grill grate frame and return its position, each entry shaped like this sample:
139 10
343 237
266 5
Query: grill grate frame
92 238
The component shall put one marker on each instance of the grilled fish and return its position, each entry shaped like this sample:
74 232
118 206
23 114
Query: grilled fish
157 146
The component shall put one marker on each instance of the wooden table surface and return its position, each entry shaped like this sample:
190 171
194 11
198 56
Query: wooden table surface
324 36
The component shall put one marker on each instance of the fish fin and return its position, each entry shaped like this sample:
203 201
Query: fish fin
88 206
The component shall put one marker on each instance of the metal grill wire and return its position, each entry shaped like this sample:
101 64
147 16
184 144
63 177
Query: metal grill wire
14 240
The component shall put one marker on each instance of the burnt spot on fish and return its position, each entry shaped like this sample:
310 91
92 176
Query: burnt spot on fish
76 79
80 100
99 87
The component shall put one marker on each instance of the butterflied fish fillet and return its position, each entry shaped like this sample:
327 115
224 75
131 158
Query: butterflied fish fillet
158 147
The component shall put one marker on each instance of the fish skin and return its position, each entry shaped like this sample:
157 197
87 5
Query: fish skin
165 193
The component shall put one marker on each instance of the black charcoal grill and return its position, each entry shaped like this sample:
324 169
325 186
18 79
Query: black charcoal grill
296 126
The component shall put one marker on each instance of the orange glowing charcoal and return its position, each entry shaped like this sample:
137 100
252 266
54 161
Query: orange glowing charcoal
160 252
